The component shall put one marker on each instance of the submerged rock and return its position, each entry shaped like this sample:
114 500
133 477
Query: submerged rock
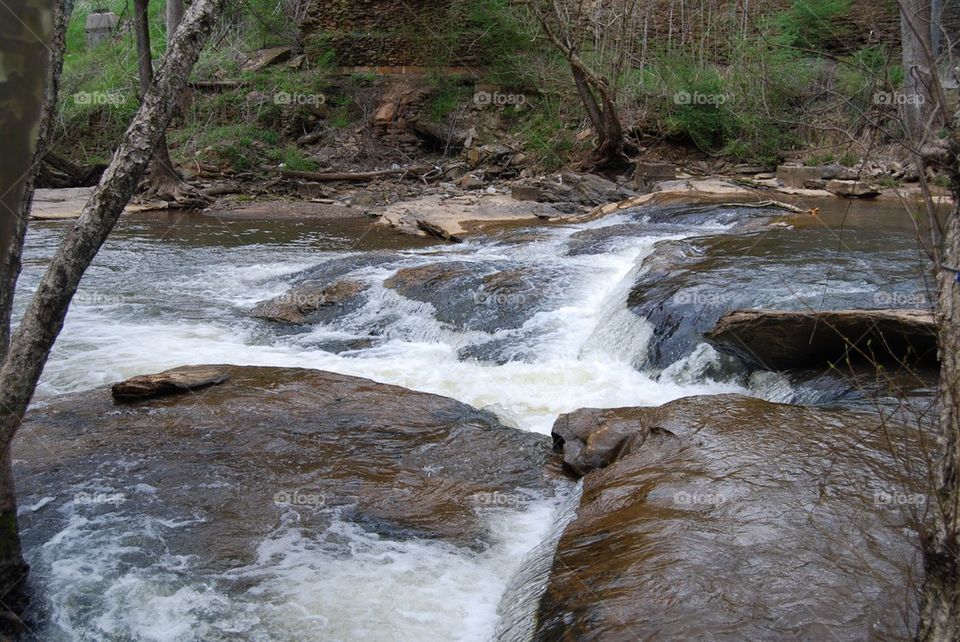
474 296
228 462
729 517
302 303
777 340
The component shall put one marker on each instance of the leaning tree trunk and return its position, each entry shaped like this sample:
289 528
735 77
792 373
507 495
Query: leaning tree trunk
24 64
611 147
44 316
165 182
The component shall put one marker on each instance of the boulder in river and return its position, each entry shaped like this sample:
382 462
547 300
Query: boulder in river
453 218
729 517
229 461
852 189
300 305
486 297
778 340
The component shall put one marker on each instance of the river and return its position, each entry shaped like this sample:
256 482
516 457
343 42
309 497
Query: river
174 289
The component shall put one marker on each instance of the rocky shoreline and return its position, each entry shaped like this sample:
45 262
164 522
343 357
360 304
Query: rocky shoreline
452 211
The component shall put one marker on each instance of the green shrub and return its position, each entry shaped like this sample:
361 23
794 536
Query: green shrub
812 24
545 133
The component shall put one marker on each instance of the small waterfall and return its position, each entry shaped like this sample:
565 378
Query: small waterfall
519 603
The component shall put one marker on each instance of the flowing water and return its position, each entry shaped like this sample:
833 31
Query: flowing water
169 290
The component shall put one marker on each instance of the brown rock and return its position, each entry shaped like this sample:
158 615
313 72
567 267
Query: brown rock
646 174
726 521
471 182
591 439
776 340
797 175
386 113
266 57
169 382
295 306
234 458
852 189
427 276
525 193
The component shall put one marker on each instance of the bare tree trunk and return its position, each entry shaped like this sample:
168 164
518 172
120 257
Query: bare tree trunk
174 16
611 146
923 118
43 318
923 99
27 101
165 181
940 617
30 68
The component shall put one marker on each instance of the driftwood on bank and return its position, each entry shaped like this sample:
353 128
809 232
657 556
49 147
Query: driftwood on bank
216 85
58 172
409 172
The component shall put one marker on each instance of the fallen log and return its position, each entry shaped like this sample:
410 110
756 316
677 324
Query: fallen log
222 189
216 85
58 172
410 172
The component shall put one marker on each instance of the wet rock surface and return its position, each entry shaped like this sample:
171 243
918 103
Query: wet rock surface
685 286
672 218
311 302
778 340
728 517
237 457
472 296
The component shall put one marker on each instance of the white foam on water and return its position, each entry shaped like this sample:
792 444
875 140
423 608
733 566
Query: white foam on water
346 583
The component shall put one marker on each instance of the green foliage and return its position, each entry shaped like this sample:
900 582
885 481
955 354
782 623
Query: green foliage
545 133
240 146
812 24
99 91
448 94
501 37
820 159
699 111
848 159
320 52
264 24
292 158
736 110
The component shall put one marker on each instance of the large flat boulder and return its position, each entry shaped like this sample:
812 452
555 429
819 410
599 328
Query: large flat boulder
68 203
798 175
232 460
453 218
783 340
728 517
